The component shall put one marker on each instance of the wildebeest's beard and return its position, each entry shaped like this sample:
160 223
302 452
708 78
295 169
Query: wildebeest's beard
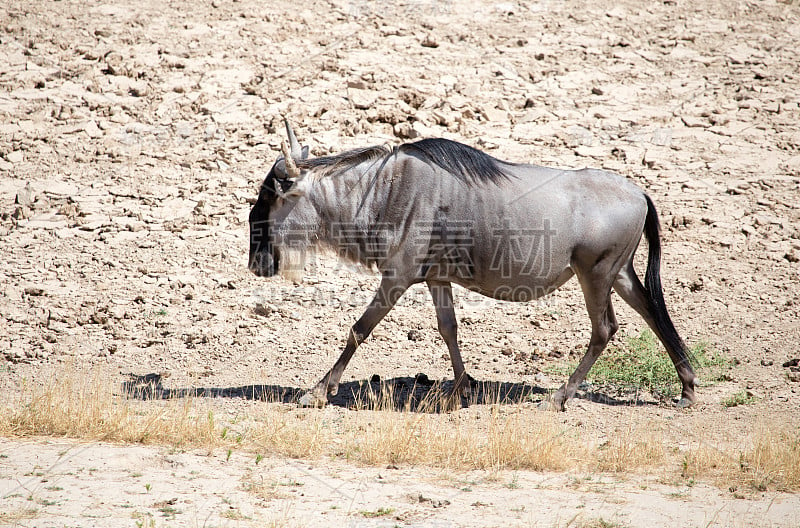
263 260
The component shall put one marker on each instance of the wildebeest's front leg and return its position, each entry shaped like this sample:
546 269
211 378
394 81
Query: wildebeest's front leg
387 295
442 294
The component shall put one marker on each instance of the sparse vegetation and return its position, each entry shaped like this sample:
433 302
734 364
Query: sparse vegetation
82 405
742 397
13 517
640 363
596 523
380 512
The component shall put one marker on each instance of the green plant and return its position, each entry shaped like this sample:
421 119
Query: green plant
144 520
380 512
597 523
169 511
637 363
514 484
640 362
713 364
742 397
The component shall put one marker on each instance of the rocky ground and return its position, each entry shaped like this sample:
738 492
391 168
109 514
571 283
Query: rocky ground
133 138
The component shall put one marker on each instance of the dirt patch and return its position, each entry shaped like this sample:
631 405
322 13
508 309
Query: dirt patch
132 138
57 483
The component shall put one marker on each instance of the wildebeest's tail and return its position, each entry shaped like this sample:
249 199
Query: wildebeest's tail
655 295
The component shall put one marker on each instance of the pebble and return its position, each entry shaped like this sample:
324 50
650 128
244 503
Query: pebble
15 156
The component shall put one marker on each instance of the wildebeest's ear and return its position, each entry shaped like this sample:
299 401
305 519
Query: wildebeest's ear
304 153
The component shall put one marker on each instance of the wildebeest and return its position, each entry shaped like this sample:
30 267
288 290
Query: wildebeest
440 212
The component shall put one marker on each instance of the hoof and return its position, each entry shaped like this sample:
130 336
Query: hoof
549 405
683 403
310 399
452 403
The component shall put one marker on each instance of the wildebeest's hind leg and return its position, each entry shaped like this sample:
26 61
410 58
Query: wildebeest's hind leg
442 294
389 292
597 294
630 288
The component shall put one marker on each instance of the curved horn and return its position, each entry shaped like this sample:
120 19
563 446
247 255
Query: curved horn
291 168
293 143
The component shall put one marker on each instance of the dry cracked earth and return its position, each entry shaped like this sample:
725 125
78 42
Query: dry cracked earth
133 138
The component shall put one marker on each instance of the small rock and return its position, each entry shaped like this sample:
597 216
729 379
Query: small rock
697 285
25 197
264 310
430 42
21 213
362 99
766 362
357 84
414 335
695 122
792 363
92 130
507 351
497 115
793 376
592 152
657 158
15 156
184 129
404 130
34 291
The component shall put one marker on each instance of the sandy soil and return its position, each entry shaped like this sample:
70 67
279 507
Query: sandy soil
104 485
133 135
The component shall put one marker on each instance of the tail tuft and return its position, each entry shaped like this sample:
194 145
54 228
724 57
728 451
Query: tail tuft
652 282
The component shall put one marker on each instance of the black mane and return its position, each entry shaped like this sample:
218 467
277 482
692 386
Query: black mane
345 160
469 165
465 163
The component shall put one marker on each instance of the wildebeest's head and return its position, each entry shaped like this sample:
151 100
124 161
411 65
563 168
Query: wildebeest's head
276 224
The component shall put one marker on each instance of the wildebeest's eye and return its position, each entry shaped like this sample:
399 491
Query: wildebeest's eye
282 185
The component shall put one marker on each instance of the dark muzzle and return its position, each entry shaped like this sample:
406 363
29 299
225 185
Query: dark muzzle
263 264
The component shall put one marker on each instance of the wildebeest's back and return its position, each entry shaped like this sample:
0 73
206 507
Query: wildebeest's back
515 238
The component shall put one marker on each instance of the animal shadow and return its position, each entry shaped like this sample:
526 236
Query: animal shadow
415 394
410 394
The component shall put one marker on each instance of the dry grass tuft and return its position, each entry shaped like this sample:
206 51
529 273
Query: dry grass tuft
769 459
464 440
87 405
84 405
15 517
635 447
